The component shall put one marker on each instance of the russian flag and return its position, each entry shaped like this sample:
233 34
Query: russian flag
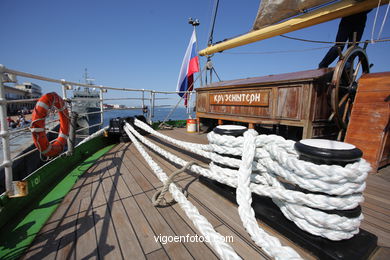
189 66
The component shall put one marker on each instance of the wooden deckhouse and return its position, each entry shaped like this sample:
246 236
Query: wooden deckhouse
297 99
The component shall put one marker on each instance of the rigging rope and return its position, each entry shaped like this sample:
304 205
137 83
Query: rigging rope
159 195
327 42
384 20
274 52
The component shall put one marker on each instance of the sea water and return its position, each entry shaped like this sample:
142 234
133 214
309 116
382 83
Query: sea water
159 114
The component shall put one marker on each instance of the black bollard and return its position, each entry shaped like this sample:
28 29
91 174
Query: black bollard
232 130
360 246
321 151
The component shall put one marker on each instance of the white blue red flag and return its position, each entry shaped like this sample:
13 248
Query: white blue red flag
189 66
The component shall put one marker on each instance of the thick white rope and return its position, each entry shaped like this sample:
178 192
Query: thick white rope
224 250
229 177
271 245
275 158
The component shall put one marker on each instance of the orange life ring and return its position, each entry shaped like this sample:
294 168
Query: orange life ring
44 104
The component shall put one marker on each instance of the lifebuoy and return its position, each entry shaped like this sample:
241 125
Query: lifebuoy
44 104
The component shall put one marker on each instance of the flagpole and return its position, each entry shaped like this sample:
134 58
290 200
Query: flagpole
181 98
194 23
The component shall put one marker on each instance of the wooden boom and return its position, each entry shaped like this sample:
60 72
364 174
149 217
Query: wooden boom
321 15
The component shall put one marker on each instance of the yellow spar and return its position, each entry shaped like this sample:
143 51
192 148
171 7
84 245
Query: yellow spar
321 15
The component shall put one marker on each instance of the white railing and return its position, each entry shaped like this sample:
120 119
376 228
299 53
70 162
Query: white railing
147 98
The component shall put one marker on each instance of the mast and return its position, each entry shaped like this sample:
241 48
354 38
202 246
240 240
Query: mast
321 15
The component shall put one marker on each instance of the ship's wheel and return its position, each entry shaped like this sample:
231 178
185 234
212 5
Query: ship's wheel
351 66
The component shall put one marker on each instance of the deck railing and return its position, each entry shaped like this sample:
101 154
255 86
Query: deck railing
146 97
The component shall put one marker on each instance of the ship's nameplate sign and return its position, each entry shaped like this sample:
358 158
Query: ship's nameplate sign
246 98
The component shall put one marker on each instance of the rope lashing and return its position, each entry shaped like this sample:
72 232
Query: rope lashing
283 251
159 195
276 158
310 195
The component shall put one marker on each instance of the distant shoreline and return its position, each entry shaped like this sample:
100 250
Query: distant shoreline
127 108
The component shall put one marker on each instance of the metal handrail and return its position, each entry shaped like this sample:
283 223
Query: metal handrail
5 133
64 82
31 100
84 128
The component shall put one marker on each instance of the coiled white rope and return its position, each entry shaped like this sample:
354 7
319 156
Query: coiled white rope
272 242
275 158
224 250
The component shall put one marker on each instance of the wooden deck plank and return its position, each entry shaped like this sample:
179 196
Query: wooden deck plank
67 233
240 246
128 179
370 189
107 242
122 191
144 169
375 205
126 235
140 179
127 240
198 250
373 220
383 202
141 226
86 247
108 246
377 215
383 236
382 254
377 181
157 255
160 227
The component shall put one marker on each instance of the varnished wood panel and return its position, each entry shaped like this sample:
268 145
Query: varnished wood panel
289 102
368 126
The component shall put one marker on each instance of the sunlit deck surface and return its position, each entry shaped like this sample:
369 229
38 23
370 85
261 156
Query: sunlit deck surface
109 214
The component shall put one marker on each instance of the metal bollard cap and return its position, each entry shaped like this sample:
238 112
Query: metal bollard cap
321 151
233 130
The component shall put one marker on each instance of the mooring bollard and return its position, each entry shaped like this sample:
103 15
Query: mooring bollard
232 130
322 151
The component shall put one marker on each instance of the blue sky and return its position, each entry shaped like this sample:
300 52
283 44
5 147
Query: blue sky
140 44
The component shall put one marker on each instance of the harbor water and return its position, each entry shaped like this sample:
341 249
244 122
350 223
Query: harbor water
159 114
21 140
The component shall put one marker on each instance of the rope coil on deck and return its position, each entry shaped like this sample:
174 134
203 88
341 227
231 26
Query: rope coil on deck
159 195
267 159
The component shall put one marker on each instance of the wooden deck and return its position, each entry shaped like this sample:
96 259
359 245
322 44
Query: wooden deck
109 214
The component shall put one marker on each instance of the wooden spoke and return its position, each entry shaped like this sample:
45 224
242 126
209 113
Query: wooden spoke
345 97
